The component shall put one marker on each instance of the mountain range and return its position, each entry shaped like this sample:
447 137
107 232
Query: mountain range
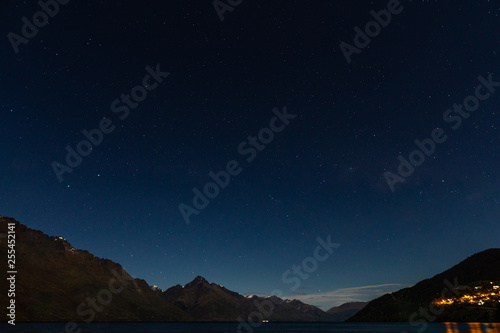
56 282
211 302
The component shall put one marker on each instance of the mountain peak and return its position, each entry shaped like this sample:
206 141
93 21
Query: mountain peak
197 280
200 278
157 289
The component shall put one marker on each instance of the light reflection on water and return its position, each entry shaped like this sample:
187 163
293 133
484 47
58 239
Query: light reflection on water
473 327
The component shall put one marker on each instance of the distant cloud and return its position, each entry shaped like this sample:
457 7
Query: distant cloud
337 297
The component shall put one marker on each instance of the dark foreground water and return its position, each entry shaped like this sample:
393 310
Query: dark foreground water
264 328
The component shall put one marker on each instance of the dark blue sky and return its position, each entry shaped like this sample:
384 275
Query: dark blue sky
322 174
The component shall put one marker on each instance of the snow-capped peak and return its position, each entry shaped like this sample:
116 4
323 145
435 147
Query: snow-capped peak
156 288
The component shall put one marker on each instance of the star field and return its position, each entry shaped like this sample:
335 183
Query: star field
322 174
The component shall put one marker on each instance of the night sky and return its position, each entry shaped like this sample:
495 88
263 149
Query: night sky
210 103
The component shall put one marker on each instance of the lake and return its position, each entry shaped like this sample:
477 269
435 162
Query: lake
265 327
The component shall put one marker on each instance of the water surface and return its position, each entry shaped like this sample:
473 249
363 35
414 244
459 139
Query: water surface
265 327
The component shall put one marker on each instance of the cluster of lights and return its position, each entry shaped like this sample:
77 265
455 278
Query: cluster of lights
478 298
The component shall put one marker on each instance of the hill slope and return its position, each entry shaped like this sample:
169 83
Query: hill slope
401 305
56 282
346 310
